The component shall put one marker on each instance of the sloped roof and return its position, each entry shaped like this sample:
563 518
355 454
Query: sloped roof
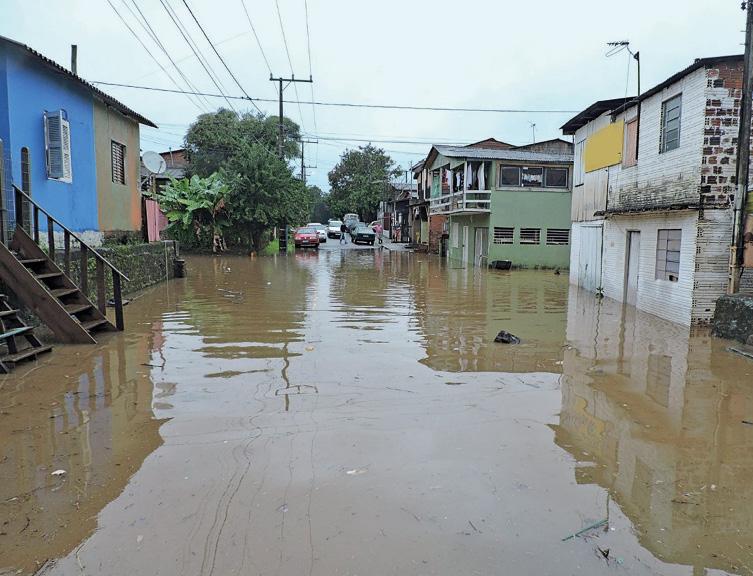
591 113
699 63
57 68
511 154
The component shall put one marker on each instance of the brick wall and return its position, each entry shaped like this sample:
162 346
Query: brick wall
436 229
719 161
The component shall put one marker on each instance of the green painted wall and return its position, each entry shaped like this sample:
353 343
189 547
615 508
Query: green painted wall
118 205
518 208
530 209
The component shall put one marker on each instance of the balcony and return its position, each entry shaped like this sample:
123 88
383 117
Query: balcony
462 202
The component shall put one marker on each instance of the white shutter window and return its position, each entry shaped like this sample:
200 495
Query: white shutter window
57 140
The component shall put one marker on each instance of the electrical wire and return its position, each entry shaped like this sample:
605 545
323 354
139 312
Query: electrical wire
292 75
150 32
352 105
243 3
206 66
311 75
218 55
132 31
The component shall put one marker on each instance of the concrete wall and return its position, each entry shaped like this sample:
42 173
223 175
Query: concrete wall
118 205
524 208
32 89
668 300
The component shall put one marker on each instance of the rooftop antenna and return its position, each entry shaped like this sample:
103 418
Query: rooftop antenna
619 46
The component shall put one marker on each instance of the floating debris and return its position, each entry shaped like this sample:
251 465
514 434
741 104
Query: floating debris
586 529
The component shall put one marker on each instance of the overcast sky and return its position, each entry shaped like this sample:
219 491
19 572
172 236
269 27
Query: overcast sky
546 59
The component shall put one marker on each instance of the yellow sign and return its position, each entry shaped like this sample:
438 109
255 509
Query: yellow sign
604 148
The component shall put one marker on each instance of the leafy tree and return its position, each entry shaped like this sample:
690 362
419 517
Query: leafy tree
263 194
196 210
357 181
216 137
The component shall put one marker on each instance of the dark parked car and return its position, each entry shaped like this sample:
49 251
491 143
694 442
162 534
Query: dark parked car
307 237
352 225
363 234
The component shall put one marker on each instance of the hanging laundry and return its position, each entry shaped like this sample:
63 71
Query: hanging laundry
481 177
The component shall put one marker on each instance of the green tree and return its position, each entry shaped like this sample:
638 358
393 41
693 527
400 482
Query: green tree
216 137
196 210
263 194
357 181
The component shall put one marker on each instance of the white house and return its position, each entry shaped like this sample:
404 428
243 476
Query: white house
654 182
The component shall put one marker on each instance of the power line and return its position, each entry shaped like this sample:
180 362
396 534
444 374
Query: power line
311 74
180 27
292 74
352 105
218 55
150 32
243 2
131 30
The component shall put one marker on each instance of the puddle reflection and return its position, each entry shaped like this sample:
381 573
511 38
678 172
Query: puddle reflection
653 412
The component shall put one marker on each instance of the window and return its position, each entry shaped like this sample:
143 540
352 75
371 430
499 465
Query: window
670 132
455 235
630 154
532 176
118 152
668 255
530 236
555 178
509 176
57 142
579 175
558 236
503 235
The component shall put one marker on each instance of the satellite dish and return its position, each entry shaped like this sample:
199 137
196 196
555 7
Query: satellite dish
154 162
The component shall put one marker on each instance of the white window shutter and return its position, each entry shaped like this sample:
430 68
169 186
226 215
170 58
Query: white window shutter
57 138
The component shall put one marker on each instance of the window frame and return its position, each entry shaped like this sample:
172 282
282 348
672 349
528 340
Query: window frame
667 238
554 236
502 237
521 170
535 236
115 145
667 109
630 152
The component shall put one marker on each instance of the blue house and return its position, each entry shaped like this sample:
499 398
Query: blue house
70 146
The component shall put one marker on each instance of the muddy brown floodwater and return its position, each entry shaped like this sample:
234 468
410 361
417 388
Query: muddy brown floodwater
347 412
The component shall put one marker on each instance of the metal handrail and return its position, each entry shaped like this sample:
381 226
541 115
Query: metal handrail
101 261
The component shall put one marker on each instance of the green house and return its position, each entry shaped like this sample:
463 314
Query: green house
504 203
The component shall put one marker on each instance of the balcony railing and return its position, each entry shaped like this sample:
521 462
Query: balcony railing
464 201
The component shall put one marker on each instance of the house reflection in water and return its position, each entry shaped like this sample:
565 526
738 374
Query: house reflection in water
653 412
87 412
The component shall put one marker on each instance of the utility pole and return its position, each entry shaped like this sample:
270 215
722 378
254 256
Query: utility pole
303 164
289 81
743 161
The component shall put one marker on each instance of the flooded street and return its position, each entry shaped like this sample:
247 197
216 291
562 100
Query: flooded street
347 412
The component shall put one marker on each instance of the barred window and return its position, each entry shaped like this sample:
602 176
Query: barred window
668 254
118 162
530 235
503 235
558 236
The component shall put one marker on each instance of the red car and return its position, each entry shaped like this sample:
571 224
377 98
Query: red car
307 237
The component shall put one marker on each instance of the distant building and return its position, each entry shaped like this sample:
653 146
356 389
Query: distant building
503 202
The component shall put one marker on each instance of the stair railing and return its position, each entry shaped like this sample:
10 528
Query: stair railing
85 251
